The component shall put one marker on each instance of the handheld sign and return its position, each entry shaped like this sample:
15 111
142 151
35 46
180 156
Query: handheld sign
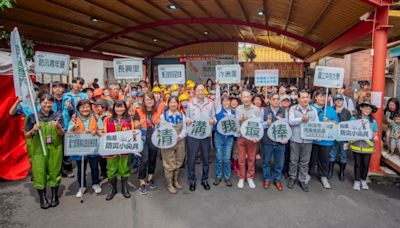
200 128
318 131
122 142
81 144
164 136
228 125
128 69
279 131
51 63
228 74
354 130
252 129
329 77
267 77
171 74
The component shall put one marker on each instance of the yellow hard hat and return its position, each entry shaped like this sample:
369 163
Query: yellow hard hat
189 82
183 97
167 92
206 92
163 86
191 85
156 90
174 87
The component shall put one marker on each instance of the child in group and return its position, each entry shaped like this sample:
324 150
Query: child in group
394 133
84 121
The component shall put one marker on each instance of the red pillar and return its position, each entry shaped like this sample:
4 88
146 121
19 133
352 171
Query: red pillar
378 78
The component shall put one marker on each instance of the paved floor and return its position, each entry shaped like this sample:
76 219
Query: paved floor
220 207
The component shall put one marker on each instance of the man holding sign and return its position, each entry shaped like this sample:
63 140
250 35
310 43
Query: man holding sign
199 107
300 149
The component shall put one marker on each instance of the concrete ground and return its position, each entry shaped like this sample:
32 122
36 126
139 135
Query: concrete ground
220 207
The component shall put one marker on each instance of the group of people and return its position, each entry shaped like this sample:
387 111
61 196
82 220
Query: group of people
99 111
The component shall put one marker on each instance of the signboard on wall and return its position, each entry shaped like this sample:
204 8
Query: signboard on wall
200 69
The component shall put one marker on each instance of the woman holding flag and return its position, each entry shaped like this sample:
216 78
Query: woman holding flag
46 165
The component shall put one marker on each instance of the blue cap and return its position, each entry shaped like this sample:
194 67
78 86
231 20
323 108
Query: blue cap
338 96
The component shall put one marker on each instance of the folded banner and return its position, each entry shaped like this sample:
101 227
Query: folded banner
81 144
122 142
252 129
164 136
200 128
318 131
228 125
354 130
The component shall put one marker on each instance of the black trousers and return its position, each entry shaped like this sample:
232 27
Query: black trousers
193 146
147 163
103 167
361 164
320 158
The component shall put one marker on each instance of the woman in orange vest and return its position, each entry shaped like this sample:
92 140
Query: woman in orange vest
149 116
118 165
85 122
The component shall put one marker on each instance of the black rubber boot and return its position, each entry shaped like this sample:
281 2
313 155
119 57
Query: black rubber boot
124 187
54 197
341 172
44 203
331 167
113 190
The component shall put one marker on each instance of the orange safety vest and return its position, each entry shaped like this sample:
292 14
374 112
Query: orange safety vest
154 120
80 127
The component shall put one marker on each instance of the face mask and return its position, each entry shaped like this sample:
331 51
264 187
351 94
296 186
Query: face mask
157 96
106 93
184 104
175 93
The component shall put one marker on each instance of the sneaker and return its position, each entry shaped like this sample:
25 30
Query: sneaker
80 192
325 183
356 185
152 185
251 183
240 183
96 188
217 181
364 185
308 178
143 190
228 182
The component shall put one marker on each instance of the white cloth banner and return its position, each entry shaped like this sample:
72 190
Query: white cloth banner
266 77
171 74
280 131
330 77
354 130
228 74
200 128
128 69
318 131
122 142
228 125
81 144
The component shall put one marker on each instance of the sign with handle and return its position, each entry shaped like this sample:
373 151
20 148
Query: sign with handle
128 69
171 74
228 74
266 77
329 77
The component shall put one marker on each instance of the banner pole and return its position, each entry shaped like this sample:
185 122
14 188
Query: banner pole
82 174
51 84
326 101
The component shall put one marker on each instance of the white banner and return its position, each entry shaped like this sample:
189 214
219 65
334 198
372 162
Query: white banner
122 142
200 128
330 77
318 131
51 63
252 129
128 69
266 77
164 136
81 144
280 131
354 130
228 125
228 74
171 74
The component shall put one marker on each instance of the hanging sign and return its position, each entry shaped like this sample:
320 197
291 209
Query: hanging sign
252 129
128 69
354 130
51 63
329 77
279 131
228 74
266 77
318 131
171 74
